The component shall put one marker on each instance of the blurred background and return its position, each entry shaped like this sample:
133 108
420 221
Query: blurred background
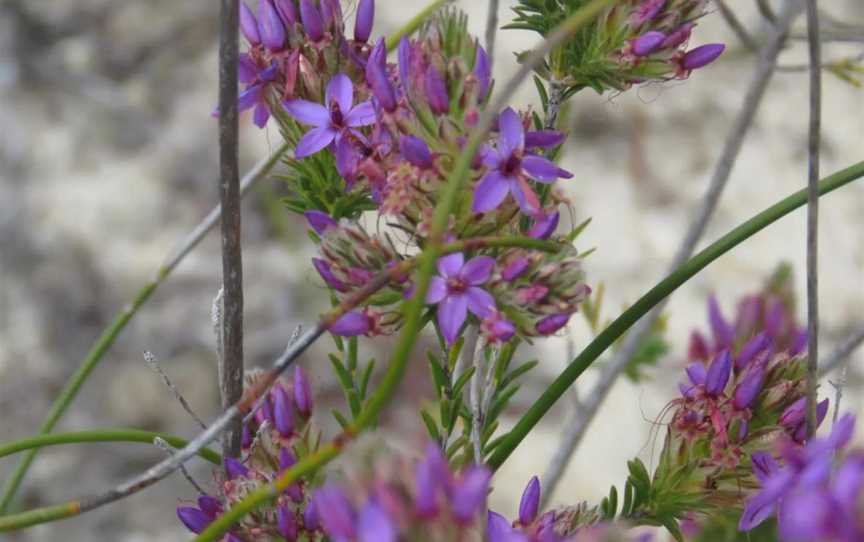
108 158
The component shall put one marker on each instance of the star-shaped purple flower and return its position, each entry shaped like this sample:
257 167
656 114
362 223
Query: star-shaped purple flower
457 290
510 168
331 119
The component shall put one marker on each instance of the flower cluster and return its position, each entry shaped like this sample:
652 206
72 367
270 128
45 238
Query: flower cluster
402 502
275 436
809 500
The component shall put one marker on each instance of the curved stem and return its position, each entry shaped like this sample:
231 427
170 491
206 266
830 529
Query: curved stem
110 334
654 296
101 435
412 25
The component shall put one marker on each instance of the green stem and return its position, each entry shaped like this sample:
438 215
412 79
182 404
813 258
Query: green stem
101 435
106 340
411 26
668 285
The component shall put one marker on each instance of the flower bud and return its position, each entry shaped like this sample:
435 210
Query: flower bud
469 494
752 347
551 324
530 503
270 27
515 269
482 71
234 468
312 22
319 221
194 519
351 324
416 151
326 273
436 91
283 411
648 43
339 519
702 56
718 374
724 335
373 525
249 25
288 11
749 388
379 82
545 226
302 392
287 523
365 18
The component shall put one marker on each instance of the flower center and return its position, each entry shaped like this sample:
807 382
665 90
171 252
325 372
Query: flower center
512 165
335 114
456 285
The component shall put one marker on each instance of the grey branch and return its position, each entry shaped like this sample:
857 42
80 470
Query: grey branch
151 361
575 428
838 357
491 30
160 443
231 368
813 141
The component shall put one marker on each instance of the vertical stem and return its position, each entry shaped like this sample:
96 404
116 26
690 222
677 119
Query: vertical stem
231 369
491 30
556 96
814 49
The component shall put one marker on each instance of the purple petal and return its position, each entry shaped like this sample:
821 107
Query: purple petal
194 519
452 311
849 481
326 272
311 519
470 493
379 82
314 140
365 18
437 290
249 98
319 221
270 26
436 91
752 347
451 264
480 302
331 12
799 342
302 391
842 431
283 411
702 56
347 159
544 139
477 270
724 335
234 468
374 525
761 506
483 72
404 55
288 11
764 465
544 227
541 168
530 503
804 517
551 324
339 519
525 197
426 482
351 324
794 413
286 522
646 11
312 22
247 71
341 90
678 36
490 192
648 43
210 505
416 151
499 530
261 115
696 373
512 132
362 114
749 388
498 329
515 269
718 374
307 112
249 25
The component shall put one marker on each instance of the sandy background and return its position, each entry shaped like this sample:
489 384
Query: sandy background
108 157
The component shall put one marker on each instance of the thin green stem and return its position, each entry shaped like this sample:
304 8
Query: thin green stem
411 26
668 285
101 435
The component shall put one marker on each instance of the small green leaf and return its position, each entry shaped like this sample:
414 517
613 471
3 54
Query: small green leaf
364 379
343 422
431 426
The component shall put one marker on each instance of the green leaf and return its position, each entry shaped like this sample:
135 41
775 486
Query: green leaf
518 372
343 421
541 91
431 426
460 383
364 379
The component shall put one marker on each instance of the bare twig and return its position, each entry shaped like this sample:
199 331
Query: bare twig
231 368
838 392
814 133
841 354
737 27
151 361
575 428
160 443
491 30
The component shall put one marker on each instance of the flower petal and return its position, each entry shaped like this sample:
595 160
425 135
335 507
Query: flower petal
374 525
363 114
314 140
449 265
541 169
307 112
341 90
477 270
452 312
437 290
525 196
544 139
512 132
480 302
261 115
490 192
248 99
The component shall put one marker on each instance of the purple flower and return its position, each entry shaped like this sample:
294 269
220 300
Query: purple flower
551 324
724 333
365 18
469 493
544 226
336 115
496 328
194 519
283 411
751 348
457 290
312 22
351 324
436 91
256 94
339 519
287 523
270 27
702 56
648 43
416 151
373 525
498 529
530 503
234 468
749 388
482 71
718 374
326 272
302 391
319 221
249 25
509 169
379 82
